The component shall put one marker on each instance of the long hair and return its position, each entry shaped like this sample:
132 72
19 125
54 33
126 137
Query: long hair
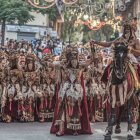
27 65
132 34
69 64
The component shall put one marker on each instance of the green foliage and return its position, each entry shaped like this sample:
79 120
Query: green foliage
52 12
15 10
106 30
69 29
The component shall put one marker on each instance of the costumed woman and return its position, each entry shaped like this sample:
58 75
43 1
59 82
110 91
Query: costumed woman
71 111
32 80
46 102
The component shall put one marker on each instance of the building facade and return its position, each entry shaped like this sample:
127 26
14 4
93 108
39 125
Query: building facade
37 28
128 9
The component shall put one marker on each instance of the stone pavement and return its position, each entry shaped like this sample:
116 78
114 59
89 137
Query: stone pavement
40 131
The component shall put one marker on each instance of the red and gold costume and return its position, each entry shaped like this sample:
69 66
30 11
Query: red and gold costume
71 110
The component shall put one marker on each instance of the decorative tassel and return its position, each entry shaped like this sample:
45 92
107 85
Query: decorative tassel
22 108
57 111
80 111
18 108
10 107
46 102
99 103
68 110
91 104
30 108
41 105
50 104
71 110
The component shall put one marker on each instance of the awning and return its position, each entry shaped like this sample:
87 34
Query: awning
17 28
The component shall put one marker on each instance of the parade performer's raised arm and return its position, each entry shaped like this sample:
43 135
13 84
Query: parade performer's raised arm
104 44
129 39
128 36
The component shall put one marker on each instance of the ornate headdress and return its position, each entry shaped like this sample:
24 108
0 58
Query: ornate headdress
130 23
81 57
47 57
72 53
30 57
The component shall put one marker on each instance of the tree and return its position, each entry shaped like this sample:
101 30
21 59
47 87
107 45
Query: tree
12 11
69 28
52 12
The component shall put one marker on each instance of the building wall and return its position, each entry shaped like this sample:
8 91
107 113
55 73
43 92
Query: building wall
136 12
11 35
39 27
40 20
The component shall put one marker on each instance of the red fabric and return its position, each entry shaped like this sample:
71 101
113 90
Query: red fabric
56 110
50 104
46 50
10 108
41 105
71 111
91 105
85 118
80 112
46 103
129 80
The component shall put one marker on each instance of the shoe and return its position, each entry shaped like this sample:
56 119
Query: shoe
75 134
60 133
118 129
42 120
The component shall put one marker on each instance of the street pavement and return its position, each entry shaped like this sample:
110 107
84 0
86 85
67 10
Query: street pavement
40 131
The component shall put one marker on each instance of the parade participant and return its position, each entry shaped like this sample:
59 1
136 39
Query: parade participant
71 110
32 80
123 43
15 97
99 97
135 50
88 87
46 102
96 90
91 95
3 84
21 61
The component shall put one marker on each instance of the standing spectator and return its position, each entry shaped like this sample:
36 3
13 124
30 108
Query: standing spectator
50 44
58 48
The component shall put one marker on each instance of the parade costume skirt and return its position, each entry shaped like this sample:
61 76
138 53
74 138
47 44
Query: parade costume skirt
84 120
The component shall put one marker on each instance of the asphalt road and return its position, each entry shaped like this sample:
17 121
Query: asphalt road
40 131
